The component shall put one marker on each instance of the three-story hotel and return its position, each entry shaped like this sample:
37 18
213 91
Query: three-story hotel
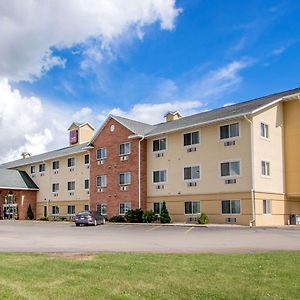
238 164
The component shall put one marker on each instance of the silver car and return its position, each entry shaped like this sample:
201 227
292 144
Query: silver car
89 217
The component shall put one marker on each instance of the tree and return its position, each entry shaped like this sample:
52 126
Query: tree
30 215
164 214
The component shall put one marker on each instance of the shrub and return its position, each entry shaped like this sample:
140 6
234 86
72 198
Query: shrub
117 219
44 219
62 218
149 217
164 214
30 215
203 218
134 216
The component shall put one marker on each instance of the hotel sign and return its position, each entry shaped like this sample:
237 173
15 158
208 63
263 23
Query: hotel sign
73 137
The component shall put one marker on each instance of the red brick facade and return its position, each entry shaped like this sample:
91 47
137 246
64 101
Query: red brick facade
112 195
23 199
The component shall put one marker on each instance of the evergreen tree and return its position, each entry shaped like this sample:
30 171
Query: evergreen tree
30 215
164 214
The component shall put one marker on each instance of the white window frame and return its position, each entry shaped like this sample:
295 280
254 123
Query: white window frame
55 191
265 124
43 171
86 188
159 150
192 179
71 159
230 175
86 155
127 207
192 202
267 203
72 213
160 204
56 213
32 169
125 176
125 153
54 162
191 132
266 163
230 208
160 182
100 150
103 207
105 181
71 184
230 137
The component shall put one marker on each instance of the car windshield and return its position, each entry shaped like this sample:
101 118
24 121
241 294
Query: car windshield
84 213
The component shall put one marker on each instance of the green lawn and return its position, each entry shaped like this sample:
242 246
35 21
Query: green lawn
151 276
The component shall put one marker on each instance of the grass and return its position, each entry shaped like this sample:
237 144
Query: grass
151 276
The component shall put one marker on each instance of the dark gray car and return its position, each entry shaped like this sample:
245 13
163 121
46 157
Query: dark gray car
89 217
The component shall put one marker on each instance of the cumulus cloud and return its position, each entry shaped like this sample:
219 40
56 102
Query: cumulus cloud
31 31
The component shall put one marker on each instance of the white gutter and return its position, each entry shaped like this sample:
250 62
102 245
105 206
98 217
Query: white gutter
142 138
252 173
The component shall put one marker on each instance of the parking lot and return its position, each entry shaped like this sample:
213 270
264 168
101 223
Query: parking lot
34 236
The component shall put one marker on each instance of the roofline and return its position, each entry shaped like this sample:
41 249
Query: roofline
81 125
18 188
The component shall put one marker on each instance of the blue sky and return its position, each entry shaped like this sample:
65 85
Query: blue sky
75 63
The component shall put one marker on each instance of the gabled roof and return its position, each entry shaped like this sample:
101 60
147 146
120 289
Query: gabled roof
81 125
18 180
220 114
67 151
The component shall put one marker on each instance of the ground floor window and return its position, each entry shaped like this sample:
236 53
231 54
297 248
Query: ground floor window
124 208
192 207
102 208
55 210
71 209
86 207
266 207
231 206
157 207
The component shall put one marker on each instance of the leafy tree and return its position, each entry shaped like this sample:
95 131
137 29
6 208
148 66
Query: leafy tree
30 215
164 214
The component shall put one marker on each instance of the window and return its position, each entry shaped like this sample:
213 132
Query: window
192 207
86 159
102 208
32 169
264 130
266 207
55 165
86 184
101 153
232 168
71 185
125 149
71 162
229 131
71 209
101 181
159 145
55 210
124 208
42 168
86 207
191 138
265 168
159 176
125 178
231 207
157 207
55 187
191 173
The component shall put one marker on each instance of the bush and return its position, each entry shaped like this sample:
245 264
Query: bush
164 214
30 215
149 217
134 216
117 219
203 219
44 219
62 218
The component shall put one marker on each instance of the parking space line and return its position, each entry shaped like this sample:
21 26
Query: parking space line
153 228
187 231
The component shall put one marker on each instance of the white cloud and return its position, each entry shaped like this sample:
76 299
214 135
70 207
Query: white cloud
31 30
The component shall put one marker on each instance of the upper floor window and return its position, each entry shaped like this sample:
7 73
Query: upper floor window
232 168
265 168
192 207
231 206
42 168
264 130
124 208
229 131
101 153
32 169
101 181
125 149
125 178
71 185
86 184
55 187
86 159
71 162
55 165
159 176
191 138
159 145
191 173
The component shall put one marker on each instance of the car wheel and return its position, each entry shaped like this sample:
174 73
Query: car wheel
95 222
103 222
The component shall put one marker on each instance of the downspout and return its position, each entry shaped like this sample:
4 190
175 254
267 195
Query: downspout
142 138
252 222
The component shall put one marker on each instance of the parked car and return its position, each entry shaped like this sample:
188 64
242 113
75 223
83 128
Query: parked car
89 217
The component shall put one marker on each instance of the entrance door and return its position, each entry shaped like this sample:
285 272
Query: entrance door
45 211
10 211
